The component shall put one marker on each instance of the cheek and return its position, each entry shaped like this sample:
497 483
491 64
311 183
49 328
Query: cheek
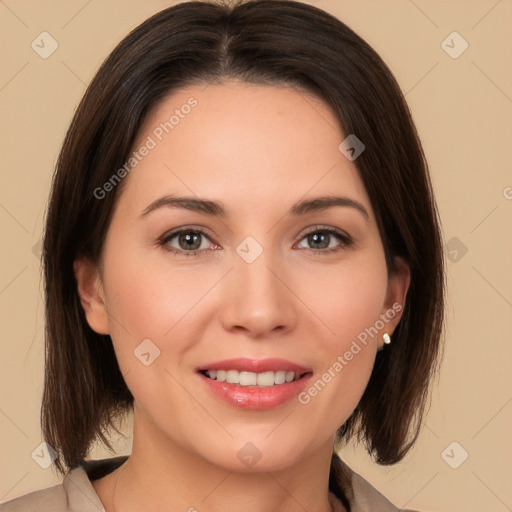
149 298
350 305
347 298
148 301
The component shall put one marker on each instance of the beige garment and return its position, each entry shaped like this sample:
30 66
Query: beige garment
76 493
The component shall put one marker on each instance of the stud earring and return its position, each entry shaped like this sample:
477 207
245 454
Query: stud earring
386 338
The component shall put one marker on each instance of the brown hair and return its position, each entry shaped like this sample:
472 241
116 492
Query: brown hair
267 42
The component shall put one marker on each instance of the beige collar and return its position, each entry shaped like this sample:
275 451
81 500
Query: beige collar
361 495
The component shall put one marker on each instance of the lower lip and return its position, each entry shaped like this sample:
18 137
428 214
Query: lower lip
255 398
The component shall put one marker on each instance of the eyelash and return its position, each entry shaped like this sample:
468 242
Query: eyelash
345 239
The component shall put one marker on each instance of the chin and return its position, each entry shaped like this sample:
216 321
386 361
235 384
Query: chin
254 454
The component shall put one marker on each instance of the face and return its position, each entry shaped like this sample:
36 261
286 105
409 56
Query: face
249 279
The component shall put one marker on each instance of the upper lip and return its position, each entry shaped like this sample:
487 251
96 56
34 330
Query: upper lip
244 364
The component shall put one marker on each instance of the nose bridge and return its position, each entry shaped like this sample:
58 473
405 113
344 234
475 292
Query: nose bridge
256 298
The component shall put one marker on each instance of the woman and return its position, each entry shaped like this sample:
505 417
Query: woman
242 247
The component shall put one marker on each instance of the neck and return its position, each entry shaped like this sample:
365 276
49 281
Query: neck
161 475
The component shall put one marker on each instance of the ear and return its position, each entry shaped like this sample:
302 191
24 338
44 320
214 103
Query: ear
92 297
398 285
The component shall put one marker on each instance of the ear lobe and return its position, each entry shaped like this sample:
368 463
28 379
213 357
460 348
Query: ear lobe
398 285
90 291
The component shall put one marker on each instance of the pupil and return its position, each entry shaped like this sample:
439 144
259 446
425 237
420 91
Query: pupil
190 239
317 238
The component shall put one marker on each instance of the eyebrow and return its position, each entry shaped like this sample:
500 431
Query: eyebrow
216 208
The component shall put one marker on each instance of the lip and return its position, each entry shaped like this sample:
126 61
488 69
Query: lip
244 364
253 397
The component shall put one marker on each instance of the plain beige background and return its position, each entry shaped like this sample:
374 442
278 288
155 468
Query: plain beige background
462 105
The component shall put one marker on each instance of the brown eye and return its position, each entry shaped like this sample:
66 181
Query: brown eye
324 240
189 241
186 242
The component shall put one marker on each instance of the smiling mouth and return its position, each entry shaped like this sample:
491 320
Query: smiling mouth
261 380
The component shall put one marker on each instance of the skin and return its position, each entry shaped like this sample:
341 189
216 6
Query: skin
257 149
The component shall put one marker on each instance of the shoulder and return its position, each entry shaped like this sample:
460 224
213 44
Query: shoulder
369 498
75 494
51 498
362 496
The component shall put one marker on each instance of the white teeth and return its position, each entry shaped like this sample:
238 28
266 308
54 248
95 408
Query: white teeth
247 379
232 376
280 377
263 380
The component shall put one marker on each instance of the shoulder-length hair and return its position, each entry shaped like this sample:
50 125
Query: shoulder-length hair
272 42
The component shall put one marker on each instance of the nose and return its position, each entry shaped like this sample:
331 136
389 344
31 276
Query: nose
258 299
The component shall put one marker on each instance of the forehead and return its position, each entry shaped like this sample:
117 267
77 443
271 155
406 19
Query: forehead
246 144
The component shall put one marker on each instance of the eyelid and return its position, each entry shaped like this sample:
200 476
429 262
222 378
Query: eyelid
329 229
344 237
169 235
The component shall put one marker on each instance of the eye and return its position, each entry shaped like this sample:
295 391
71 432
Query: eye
324 240
193 242
188 242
